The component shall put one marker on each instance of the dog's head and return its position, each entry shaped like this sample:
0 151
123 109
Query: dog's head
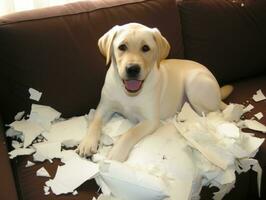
134 49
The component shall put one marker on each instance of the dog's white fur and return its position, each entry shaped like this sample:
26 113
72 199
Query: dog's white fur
167 85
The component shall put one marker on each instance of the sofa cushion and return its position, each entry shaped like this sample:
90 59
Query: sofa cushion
54 50
226 37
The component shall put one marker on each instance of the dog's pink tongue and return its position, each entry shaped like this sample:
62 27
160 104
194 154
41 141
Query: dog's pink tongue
133 85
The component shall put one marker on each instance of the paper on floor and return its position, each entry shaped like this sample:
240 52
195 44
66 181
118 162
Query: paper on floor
35 94
20 152
71 175
259 96
42 172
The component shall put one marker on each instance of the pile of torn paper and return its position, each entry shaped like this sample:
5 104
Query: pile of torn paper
186 153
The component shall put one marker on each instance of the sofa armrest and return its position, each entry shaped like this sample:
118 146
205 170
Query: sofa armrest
7 184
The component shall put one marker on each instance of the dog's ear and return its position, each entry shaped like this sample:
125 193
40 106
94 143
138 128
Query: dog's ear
105 43
163 45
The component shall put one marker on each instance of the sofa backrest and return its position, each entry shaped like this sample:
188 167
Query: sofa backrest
227 37
54 50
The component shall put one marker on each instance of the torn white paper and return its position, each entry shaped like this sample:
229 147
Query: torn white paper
255 125
233 112
19 115
29 164
69 132
43 115
20 152
259 96
47 151
11 132
35 94
259 115
248 108
42 172
16 144
46 190
71 175
29 129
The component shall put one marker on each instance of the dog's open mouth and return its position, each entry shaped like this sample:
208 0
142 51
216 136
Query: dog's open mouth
133 86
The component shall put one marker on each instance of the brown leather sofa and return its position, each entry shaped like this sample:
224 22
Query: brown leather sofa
54 50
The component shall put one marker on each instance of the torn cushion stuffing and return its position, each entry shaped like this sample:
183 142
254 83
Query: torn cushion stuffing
186 153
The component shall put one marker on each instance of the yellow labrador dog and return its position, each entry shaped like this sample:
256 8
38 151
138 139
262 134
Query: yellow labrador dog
144 87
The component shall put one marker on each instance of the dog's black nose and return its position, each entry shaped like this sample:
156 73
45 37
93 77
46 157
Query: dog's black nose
133 70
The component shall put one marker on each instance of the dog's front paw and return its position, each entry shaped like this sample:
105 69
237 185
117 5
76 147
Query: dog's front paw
118 153
87 147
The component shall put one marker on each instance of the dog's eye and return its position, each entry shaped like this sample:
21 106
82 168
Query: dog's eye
145 48
122 47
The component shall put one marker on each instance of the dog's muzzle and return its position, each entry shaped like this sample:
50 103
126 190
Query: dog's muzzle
133 84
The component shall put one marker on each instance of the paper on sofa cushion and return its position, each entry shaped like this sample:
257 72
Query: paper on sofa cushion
71 175
29 164
248 108
20 152
233 112
43 115
11 132
19 115
67 155
69 132
47 151
42 172
259 96
254 125
29 129
259 115
35 94
16 144
130 184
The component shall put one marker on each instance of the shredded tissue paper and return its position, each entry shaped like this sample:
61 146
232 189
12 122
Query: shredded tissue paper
187 152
